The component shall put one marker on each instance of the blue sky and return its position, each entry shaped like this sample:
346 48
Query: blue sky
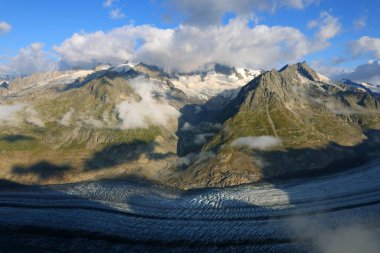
51 23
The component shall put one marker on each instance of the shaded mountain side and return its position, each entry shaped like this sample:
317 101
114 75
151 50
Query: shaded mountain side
198 123
230 166
316 124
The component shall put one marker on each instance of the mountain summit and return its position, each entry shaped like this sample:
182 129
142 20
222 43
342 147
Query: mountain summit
287 122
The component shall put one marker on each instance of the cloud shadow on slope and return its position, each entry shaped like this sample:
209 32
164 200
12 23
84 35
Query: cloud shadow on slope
122 153
43 169
12 138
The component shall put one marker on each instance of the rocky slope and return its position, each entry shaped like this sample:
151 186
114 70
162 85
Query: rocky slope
282 123
77 125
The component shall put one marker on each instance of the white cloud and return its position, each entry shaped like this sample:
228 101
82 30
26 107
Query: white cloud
114 47
350 239
147 111
31 117
366 45
327 27
326 238
190 48
191 158
360 23
117 14
108 3
202 138
15 114
368 72
9 114
29 60
211 12
185 48
257 142
90 121
5 27
67 118
325 68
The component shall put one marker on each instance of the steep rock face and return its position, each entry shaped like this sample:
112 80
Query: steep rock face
316 125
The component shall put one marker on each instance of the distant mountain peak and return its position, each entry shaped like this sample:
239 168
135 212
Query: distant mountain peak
303 69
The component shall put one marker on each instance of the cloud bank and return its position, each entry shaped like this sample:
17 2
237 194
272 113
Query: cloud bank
147 111
260 143
368 73
29 60
189 48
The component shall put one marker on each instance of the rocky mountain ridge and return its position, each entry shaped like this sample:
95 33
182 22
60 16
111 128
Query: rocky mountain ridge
285 122
222 127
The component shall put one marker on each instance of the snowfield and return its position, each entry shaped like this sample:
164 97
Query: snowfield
120 215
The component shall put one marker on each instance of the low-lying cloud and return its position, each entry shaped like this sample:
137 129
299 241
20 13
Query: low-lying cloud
202 138
257 142
350 239
191 158
328 238
9 114
16 114
67 118
146 111
31 117
85 119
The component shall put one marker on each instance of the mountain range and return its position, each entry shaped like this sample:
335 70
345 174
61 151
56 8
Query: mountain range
224 126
